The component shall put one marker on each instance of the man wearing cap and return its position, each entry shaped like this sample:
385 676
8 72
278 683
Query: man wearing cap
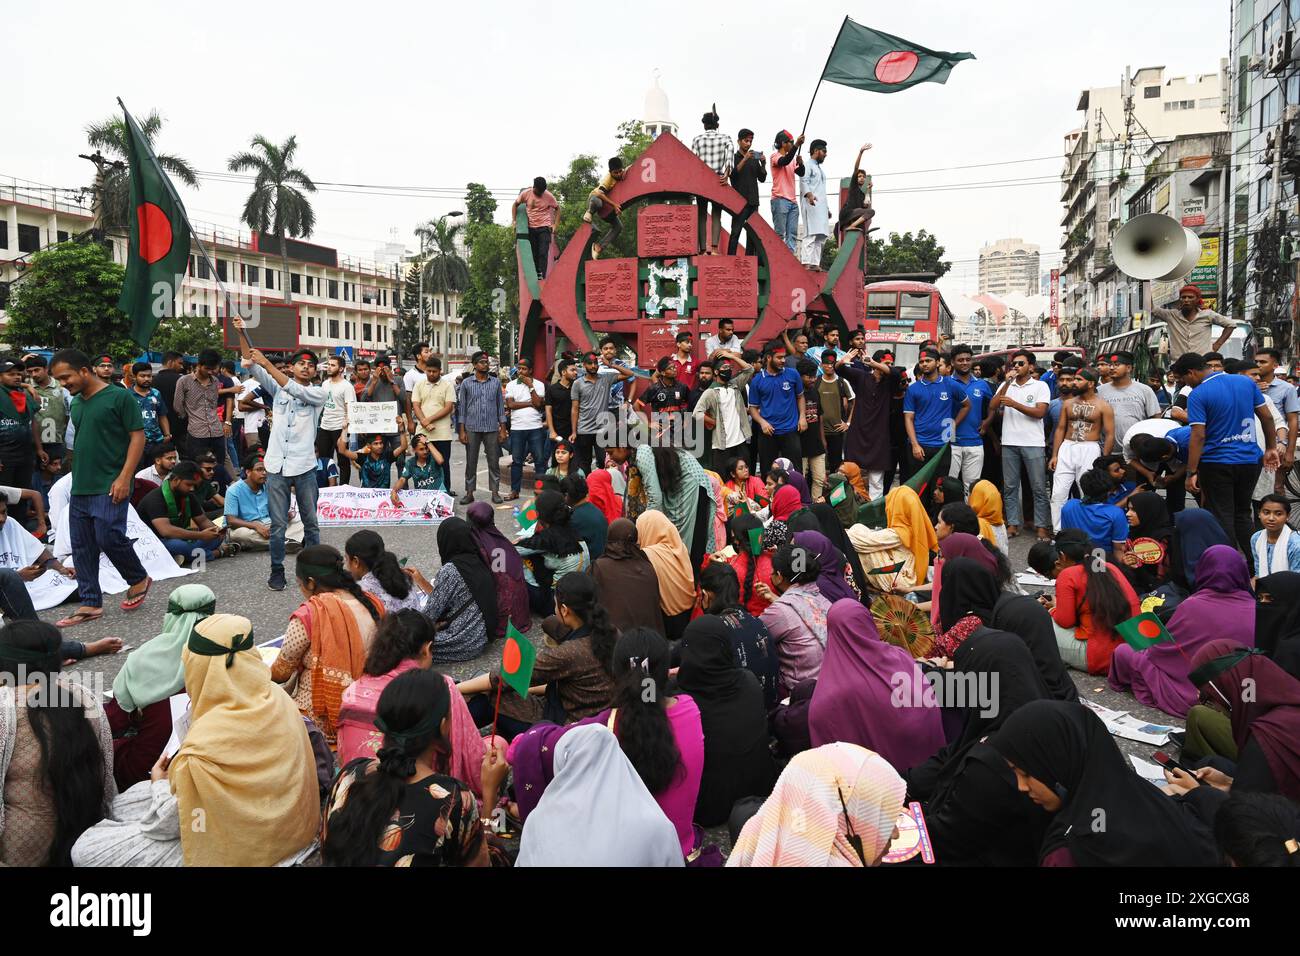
812 200
1189 324
715 149
785 164
1130 401
291 453
1223 459
543 217
776 405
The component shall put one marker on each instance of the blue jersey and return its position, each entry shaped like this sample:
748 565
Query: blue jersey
1225 405
777 399
934 405
152 405
979 393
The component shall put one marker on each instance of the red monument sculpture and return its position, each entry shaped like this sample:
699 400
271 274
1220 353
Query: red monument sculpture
671 286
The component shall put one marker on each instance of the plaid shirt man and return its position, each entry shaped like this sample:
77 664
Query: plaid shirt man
715 148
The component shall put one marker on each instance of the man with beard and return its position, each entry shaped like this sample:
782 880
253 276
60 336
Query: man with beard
703 380
1077 439
1189 324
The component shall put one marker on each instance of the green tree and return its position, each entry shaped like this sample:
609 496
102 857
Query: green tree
68 296
493 295
906 253
113 184
408 312
278 203
480 205
445 270
187 334
571 191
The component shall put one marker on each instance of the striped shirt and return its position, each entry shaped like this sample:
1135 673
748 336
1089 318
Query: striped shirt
480 405
714 148
197 404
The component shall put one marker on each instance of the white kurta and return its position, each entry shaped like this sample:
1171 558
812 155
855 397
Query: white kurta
816 217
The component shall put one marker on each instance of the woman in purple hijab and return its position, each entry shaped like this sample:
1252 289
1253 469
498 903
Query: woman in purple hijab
831 582
861 679
1221 607
506 566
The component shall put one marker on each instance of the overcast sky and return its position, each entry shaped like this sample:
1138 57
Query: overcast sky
438 95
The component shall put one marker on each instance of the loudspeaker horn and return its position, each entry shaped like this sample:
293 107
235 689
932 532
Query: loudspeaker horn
1155 246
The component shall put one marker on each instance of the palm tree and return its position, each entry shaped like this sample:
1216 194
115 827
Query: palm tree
277 203
113 183
445 271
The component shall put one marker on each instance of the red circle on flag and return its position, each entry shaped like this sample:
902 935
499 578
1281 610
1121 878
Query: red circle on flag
896 66
531 514
1149 629
155 232
510 657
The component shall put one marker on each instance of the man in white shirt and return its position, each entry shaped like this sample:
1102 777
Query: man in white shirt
525 397
431 406
418 374
339 396
725 339
1023 401
164 458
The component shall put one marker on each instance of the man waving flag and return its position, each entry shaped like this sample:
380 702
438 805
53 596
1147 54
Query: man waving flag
159 248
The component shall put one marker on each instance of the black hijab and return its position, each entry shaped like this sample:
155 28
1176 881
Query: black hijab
969 587
458 545
1279 619
829 525
1153 517
1109 816
1021 615
737 761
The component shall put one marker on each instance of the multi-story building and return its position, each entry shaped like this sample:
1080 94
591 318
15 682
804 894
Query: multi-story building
1103 168
1265 106
342 302
1009 266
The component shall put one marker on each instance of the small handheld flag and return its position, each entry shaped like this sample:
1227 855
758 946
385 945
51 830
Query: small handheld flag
517 660
755 541
838 494
527 515
1143 631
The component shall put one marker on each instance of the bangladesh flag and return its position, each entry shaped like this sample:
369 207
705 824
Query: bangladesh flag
159 248
527 515
756 541
872 514
867 59
1143 631
517 659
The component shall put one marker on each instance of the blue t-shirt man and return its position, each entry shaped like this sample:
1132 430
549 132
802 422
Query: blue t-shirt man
244 503
979 393
933 406
152 405
1225 405
1182 439
1103 524
777 398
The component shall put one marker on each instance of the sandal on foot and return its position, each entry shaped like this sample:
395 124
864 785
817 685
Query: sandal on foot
79 617
131 603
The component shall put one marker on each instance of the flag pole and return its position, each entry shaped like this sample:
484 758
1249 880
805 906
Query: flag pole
194 236
823 75
497 712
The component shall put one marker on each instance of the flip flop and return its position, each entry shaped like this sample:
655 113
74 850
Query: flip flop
131 603
79 617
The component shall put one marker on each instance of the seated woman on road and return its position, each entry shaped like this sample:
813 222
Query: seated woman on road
460 601
987 502
377 572
741 487
328 636
507 569
905 514
796 618
751 569
552 550
625 571
1148 517
662 544
1089 602
399 808
751 643
56 751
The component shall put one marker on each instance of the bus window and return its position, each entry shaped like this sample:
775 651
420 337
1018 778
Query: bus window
906 355
915 308
882 305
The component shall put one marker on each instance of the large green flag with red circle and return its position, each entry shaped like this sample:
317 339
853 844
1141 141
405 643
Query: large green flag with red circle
159 248
517 659
868 59
1142 631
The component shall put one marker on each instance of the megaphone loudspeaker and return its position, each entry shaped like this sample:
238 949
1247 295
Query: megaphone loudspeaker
1155 246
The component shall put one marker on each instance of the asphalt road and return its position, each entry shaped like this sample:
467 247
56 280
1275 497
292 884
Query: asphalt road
240 586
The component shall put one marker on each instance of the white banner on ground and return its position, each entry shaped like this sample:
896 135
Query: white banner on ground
370 418
47 591
374 506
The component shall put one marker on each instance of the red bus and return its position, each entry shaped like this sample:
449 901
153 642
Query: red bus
901 315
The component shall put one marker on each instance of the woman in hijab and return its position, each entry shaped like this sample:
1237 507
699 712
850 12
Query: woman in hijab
1221 605
1263 705
664 547
796 618
861 684
905 514
552 549
461 601
880 548
800 484
836 805
959 544
833 581
854 474
737 761
507 569
1068 763
1027 619
973 809
1148 518
600 490
1195 530
966 598
326 642
987 502
596 811
785 502
751 569
625 574
675 484
751 644
1277 615
139 712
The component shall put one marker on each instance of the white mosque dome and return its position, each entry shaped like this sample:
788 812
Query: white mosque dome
655 117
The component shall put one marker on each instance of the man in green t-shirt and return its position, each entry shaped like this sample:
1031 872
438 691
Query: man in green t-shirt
102 480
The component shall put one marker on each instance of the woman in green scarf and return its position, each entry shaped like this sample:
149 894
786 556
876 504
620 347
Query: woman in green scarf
676 485
140 711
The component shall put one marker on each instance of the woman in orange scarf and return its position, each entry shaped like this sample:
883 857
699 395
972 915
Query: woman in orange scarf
987 502
905 514
328 636
854 474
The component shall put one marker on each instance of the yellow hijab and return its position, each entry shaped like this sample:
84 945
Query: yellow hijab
906 515
987 502
245 776
662 544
